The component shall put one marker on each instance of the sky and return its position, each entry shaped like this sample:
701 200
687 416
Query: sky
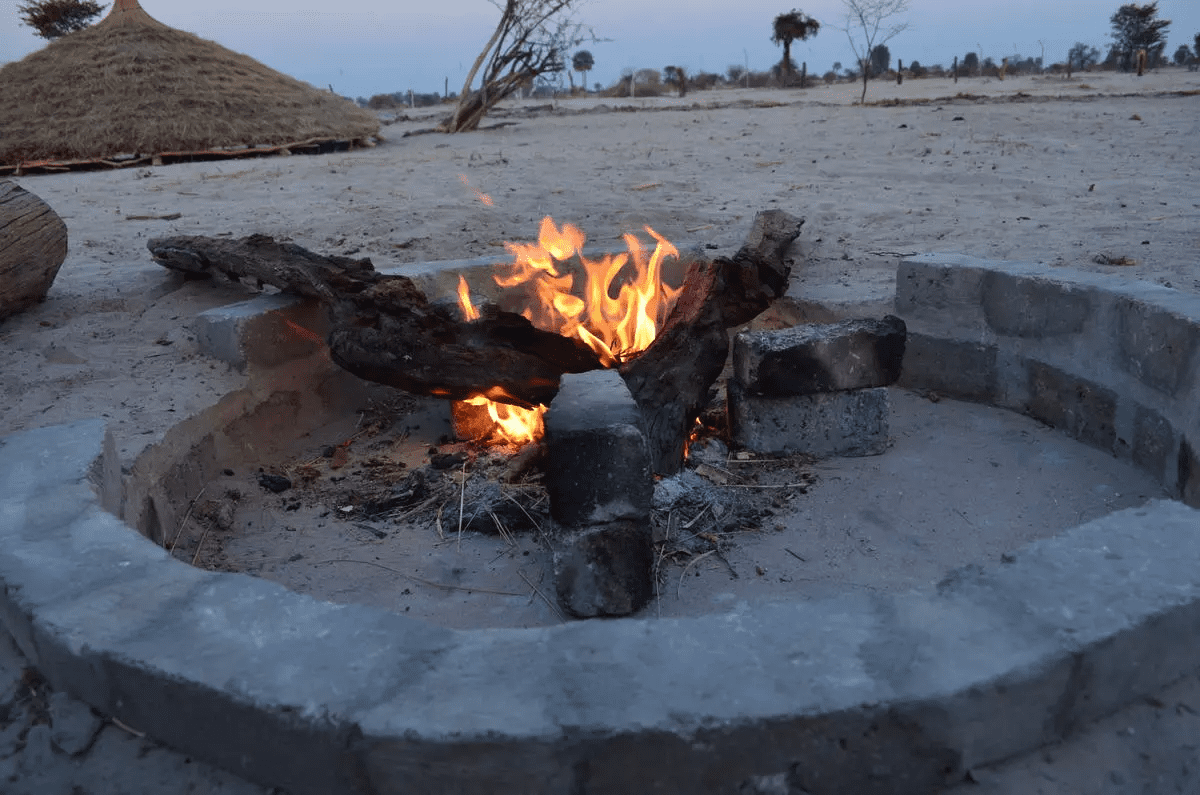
366 47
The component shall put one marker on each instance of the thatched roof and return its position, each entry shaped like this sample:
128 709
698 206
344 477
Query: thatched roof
132 85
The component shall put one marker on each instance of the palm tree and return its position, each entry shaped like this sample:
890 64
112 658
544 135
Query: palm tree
583 62
793 26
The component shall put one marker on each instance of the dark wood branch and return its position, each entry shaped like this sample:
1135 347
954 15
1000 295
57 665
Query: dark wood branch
385 330
671 379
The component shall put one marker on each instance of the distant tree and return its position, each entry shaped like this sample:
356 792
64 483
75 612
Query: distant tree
735 73
1196 45
1081 56
837 66
530 42
583 62
1136 27
917 70
676 76
793 26
52 19
1182 55
970 62
881 59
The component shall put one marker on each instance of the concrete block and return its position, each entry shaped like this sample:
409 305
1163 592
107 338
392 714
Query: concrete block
605 570
1027 306
263 332
1153 442
951 367
806 360
830 424
1082 409
600 469
1188 473
1156 345
941 288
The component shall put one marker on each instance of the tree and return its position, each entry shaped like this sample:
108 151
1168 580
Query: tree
795 25
1182 55
52 19
530 42
1135 27
867 18
583 62
881 59
970 63
1081 56
676 76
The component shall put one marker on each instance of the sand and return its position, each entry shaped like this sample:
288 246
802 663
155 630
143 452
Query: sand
1043 169
1075 173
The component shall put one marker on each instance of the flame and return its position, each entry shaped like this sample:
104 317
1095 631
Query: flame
616 327
464 300
476 192
616 317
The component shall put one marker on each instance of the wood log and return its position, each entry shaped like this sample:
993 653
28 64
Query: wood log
385 330
671 379
33 245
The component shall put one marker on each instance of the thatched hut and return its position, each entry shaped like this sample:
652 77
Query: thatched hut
131 85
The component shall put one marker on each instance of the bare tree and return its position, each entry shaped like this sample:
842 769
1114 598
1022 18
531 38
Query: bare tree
866 19
53 19
531 40
795 25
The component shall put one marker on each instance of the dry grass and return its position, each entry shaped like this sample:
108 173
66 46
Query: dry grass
132 85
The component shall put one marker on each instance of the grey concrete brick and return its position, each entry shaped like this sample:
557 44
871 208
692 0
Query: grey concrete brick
601 470
263 332
1187 469
1156 345
1153 441
831 424
951 367
806 360
605 570
941 288
1026 306
1081 408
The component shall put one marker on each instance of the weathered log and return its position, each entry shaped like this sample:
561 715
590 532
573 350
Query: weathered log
670 380
385 330
33 245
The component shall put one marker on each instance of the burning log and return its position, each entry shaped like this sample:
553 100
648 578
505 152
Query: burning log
670 379
386 330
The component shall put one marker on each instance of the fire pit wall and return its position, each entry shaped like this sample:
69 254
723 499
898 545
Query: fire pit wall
1112 362
411 707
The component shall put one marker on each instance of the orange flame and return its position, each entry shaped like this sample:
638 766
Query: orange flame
617 318
615 327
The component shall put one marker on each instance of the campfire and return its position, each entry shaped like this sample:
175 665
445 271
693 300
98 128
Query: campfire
635 361
617 313
668 345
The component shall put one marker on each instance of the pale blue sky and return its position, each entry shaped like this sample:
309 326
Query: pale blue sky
365 47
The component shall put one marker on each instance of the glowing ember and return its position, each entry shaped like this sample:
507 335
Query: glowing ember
616 318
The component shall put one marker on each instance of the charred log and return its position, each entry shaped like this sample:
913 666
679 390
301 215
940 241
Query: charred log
671 379
385 330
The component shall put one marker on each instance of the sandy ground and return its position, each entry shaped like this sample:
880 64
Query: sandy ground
1045 169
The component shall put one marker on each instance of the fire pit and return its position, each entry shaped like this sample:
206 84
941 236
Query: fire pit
383 506
823 691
